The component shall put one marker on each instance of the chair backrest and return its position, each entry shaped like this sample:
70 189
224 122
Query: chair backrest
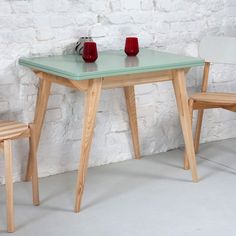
218 49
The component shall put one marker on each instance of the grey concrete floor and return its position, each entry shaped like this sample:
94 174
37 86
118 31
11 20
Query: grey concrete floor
147 197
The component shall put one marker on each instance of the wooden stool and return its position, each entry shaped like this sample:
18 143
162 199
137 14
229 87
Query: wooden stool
10 130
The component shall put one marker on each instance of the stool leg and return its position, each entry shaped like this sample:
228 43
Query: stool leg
9 186
33 161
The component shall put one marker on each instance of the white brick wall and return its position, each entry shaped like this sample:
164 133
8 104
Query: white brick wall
42 27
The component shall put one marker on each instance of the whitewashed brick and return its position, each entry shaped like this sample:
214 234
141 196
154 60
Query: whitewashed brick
130 30
53 115
4 106
61 21
86 19
6 21
231 11
61 5
6 36
192 50
55 100
162 27
141 17
118 18
115 5
23 36
5 7
98 6
44 34
62 34
21 7
147 4
5 63
145 39
131 4
40 50
24 22
42 21
98 31
144 89
42 6
28 89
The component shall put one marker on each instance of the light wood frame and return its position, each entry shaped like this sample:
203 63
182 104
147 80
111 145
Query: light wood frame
93 89
5 146
201 105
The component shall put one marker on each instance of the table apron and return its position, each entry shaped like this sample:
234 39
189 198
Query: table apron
111 81
135 79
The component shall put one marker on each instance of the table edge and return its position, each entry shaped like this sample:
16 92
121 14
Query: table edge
93 75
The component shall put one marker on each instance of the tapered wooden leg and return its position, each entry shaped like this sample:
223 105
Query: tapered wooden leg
198 130
91 104
41 107
186 162
179 84
9 186
131 108
33 157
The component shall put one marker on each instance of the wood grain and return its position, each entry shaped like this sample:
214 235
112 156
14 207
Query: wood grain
11 129
91 104
200 111
135 79
179 84
41 106
33 157
186 162
9 186
131 108
80 85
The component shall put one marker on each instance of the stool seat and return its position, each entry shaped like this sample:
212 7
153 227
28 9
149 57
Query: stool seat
11 129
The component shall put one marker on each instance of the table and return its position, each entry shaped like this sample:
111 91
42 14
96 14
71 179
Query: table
112 69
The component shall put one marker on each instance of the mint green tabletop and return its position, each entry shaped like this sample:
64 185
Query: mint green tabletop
109 63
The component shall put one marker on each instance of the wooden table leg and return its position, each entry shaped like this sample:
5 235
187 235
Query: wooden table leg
131 108
91 104
179 83
41 107
9 186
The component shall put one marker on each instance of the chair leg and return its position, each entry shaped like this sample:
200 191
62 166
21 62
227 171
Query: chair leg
9 186
186 162
33 160
198 130
179 84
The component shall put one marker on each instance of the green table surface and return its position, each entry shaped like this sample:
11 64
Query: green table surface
109 63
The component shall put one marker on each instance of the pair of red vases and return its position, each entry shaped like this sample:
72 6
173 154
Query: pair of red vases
90 53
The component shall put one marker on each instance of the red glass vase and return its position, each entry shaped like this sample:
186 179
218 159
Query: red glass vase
131 46
90 53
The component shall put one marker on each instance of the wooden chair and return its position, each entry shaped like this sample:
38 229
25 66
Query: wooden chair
217 50
10 130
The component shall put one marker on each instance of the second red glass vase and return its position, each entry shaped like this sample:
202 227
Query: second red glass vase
131 46
90 53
